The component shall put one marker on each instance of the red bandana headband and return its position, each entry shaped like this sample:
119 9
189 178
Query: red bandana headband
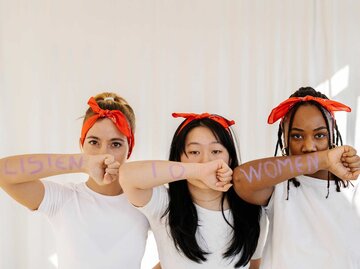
192 116
283 108
117 118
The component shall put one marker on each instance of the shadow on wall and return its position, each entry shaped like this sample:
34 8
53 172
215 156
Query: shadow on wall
337 87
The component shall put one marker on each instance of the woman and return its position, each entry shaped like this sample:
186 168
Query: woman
314 223
199 221
94 225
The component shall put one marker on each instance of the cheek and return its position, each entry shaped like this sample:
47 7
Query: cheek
294 148
88 149
323 145
225 157
120 154
184 158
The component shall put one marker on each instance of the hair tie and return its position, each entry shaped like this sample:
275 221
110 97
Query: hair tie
283 108
192 116
117 117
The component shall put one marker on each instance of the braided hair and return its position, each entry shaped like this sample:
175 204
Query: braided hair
333 131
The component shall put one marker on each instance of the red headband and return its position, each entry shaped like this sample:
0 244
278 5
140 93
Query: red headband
283 108
191 116
117 118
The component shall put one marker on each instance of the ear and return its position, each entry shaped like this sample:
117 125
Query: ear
80 146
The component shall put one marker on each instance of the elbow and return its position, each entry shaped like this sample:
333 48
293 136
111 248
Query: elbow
243 186
240 180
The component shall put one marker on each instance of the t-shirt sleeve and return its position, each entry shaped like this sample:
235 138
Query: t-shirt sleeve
264 226
157 205
54 198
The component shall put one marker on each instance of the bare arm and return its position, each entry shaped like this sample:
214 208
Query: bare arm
255 264
138 178
20 175
157 266
254 181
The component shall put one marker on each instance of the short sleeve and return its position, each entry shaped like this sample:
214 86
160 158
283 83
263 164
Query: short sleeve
264 226
54 198
157 205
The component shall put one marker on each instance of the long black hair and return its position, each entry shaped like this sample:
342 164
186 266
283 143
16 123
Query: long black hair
182 214
334 138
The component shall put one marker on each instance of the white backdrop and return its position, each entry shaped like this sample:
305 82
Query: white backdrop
236 58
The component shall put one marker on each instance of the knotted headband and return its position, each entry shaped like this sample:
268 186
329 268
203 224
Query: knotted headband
192 116
116 116
283 108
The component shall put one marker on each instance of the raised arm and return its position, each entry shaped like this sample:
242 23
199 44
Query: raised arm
138 178
20 175
254 181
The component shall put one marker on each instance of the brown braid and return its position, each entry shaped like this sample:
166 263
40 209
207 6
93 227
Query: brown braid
334 140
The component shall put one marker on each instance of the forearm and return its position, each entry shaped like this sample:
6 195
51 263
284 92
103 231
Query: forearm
149 174
264 173
25 168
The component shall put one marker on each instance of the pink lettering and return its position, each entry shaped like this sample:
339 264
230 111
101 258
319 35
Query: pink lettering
38 164
49 161
252 173
284 164
22 165
59 163
7 170
298 164
153 169
73 163
268 171
176 170
313 161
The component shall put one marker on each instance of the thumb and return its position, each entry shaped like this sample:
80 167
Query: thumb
109 159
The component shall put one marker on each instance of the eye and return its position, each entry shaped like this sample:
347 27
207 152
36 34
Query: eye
116 144
296 136
193 152
216 151
93 142
320 135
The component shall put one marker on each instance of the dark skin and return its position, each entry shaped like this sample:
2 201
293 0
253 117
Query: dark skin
308 139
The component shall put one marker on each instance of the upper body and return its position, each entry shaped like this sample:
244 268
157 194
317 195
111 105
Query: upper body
309 210
213 235
93 222
94 230
303 226
199 221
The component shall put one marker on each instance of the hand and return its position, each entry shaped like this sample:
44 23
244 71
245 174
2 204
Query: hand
344 162
103 169
217 175
351 160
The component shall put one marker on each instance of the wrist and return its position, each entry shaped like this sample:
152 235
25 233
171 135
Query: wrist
324 160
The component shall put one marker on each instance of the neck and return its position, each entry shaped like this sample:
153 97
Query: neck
207 198
322 174
111 189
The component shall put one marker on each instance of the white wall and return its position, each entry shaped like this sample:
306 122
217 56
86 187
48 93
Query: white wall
236 58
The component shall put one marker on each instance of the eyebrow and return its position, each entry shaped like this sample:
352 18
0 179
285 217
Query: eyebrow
197 143
112 139
316 129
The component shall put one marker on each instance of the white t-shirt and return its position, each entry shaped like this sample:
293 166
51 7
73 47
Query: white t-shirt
94 231
213 235
310 231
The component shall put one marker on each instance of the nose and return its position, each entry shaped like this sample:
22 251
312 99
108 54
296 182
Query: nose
103 149
309 145
205 157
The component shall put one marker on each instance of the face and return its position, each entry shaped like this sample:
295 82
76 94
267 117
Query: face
104 138
308 132
202 146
